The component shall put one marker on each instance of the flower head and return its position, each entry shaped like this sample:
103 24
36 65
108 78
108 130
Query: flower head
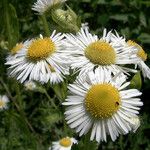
40 59
142 55
41 6
88 52
63 144
3 102
101 104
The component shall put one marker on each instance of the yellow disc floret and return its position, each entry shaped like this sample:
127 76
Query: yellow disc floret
41 49
65 142
2 103
141 53
100 53
102 100
16 48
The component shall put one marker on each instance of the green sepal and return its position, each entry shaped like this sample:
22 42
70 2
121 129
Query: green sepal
136 81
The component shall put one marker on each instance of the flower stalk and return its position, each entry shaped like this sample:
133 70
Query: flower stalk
45 25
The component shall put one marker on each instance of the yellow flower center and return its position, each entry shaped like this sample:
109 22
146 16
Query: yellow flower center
100 53
102 100
141 53
66 142
41 49
1 103
16 48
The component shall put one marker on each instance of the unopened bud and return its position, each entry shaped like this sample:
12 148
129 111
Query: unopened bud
66 19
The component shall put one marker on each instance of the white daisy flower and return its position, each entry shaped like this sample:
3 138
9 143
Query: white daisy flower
63 144
88 52
141 54
30 85
135 123
41 59
41 6
3 102
101 104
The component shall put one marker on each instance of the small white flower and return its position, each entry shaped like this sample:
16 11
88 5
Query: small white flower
63 144
135 123
41 6
3 102
102 104
40 59
30 85
88 52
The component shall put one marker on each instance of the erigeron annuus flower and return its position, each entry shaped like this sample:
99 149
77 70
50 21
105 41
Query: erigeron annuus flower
63 144
136 49
141 54
41 59
88 52
3 102
41 6
102 104
30 85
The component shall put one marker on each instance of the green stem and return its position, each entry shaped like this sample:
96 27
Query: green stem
60 91
19 110
45 25
8 27
50 99
121 142
89 145
16 105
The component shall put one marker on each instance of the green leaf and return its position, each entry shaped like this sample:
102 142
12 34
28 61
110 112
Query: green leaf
86 144
143 19
144 37
103 19
14 25
11 24
52 118
120 17
147 3
136 81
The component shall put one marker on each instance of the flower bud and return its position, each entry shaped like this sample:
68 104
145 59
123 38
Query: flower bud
67 20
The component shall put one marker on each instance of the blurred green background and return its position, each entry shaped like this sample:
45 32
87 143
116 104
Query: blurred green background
18 22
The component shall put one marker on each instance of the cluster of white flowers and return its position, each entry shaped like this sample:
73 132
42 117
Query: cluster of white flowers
100 100
49 59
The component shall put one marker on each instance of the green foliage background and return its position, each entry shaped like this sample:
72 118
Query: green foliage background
31 123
